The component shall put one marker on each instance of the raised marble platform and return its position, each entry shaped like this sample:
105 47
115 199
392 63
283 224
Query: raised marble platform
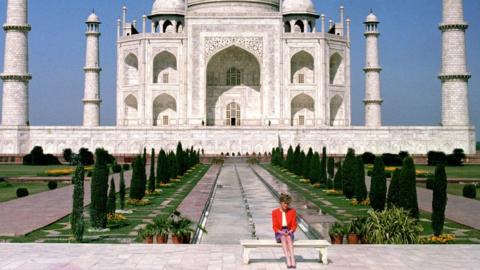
214 140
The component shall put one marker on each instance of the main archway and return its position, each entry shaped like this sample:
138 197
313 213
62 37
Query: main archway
233 76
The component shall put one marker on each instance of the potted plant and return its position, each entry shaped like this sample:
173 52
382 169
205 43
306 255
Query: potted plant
162 228
355 230
336 233
147 234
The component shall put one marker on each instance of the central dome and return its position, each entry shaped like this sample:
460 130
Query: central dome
298 7
233 6
168 7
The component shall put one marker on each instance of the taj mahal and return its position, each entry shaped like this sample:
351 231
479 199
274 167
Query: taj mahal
235 76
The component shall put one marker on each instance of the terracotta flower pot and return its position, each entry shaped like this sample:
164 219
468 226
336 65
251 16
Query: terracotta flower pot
353 238
149 240
177 239
336 239
162 238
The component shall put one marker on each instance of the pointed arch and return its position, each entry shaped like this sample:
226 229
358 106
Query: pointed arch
337 67
165 68
168 27
131 110
131 69
336 111
164 110
299 27
302 68
302 110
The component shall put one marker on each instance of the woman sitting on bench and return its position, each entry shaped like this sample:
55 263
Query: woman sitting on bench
284 220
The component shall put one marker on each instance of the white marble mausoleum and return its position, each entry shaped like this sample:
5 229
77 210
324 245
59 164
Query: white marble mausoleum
234 76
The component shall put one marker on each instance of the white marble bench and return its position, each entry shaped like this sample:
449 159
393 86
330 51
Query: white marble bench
320 245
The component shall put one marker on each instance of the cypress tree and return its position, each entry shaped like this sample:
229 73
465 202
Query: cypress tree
299 166
296 160
323 166
349 174
273 160
378 185
76 219
180 159
143 186
393 198
144 155
173 168
439 201
162 168
337 182
315 169
151 179
289 162
306 163
121 192
136 183
360 187
112 199
408 187
331 167
99 190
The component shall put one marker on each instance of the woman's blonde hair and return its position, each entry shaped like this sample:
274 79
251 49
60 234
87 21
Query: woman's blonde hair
285 198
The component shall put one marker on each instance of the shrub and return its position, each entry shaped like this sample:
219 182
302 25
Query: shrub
368 158
112 199
436 158
349 174
99 190
378 187
67 155
37 157
456 158
393 197
126 167
430 182
469 191
116 168
22 192
392 226
85 157
408 188
403 154
439 201
76 218
360 187
52 185
392 160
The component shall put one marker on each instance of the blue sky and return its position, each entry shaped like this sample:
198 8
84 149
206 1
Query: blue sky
410 51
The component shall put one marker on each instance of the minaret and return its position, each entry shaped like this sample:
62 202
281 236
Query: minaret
91 100
454 74
15 75
373 100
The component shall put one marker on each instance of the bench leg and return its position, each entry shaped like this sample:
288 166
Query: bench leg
246 255
323 255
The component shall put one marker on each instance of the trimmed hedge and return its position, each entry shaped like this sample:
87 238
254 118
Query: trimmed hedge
470 191
52 185
22 192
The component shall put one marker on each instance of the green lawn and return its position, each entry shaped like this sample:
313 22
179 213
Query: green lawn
467 171
13 170
9 191
454 189
341 208
171 197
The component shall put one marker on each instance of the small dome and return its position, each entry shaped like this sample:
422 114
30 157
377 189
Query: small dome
93 18
168 7
371 18
298 6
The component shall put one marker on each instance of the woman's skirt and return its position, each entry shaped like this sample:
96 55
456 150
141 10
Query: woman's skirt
278 236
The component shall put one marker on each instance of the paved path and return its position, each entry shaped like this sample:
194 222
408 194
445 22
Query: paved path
24 215
228 221
229 257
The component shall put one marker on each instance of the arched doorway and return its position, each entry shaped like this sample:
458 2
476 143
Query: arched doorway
233 115
164 110
233 75
303 110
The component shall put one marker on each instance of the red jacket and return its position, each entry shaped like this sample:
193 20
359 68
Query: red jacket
277 220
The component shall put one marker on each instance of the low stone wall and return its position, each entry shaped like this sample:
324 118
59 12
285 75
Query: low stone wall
214 140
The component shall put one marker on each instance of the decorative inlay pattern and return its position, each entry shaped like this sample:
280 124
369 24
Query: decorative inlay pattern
252 44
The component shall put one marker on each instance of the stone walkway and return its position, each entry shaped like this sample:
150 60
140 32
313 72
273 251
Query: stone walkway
229 220
229 257
21 216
